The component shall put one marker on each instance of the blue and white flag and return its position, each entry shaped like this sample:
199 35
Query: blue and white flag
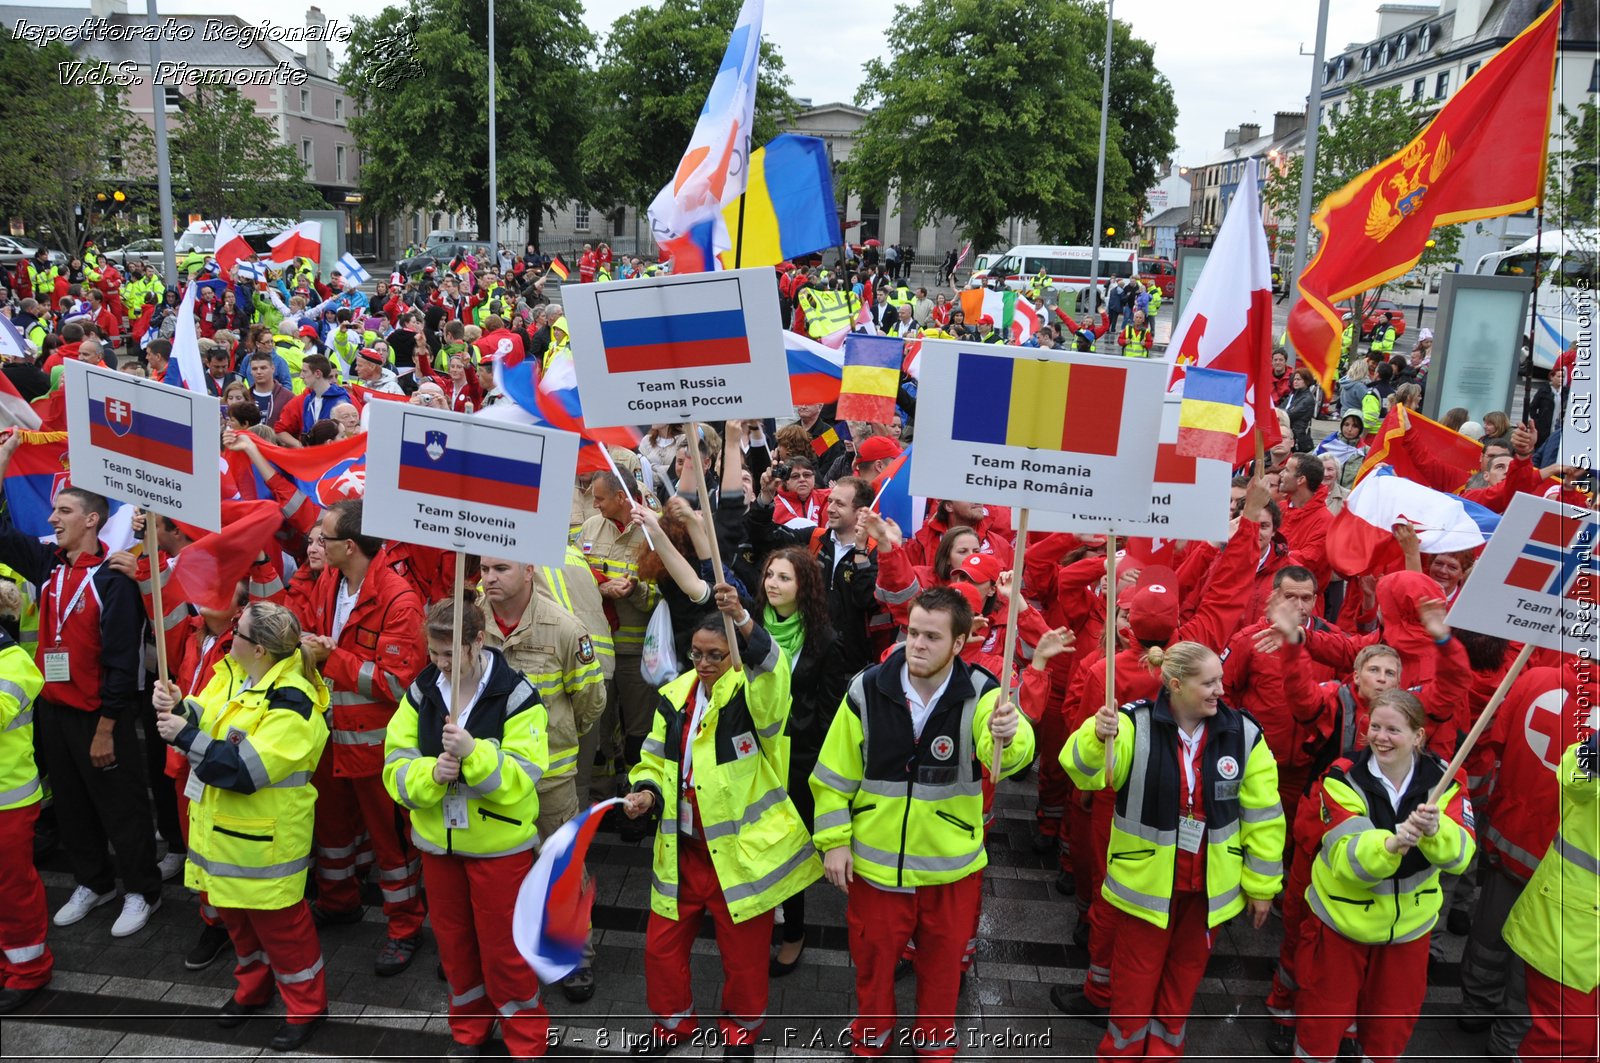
251 271
354 276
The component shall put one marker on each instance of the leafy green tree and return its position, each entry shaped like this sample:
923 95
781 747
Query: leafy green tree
68 139
653 76
1572 190
990 109
227 161
419 78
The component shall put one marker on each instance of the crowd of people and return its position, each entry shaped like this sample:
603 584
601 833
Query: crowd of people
1262 743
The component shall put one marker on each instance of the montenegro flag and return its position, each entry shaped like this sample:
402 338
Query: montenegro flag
1481 157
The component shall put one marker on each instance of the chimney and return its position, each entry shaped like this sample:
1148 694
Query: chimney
1249 132
107 8
1287 122
1230 138
317 50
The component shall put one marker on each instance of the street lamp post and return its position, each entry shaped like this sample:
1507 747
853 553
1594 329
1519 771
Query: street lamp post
1100 167
494 190
1308 164
169 254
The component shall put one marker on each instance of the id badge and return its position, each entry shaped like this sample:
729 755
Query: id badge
455 811
194 789
685 816
57 665
1190 831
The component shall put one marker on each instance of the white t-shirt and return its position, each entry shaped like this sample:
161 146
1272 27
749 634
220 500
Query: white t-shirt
921 710
344 604
1395 793
466 710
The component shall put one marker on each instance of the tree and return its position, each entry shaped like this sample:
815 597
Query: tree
1572 190
653 77
68 137
419 79
227 161
1371 127
990 109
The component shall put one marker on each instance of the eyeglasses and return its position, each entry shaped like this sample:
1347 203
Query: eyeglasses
238 633
336 538
708 656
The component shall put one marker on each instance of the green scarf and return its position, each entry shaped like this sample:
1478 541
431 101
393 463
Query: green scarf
790 633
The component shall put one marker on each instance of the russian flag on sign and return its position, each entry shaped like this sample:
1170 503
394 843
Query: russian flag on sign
479 463
141 424
696 325
551 919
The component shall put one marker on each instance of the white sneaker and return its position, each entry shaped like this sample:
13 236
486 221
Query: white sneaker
135 914
171 866
83 901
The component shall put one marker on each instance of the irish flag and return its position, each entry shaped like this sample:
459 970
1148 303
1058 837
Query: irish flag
1013 315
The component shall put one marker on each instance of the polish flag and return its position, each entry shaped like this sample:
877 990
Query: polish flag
300 241
1227 322
231 248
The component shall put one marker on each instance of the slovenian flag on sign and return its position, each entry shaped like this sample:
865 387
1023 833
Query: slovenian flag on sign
695 325
551 919
480 463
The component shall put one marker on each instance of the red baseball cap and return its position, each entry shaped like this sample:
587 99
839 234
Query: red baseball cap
1152 604
876 448
979 568
974 599
307 330
986 320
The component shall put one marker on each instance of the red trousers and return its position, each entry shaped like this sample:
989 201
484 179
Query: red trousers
472 900
208 915
1566 1021
1104 919
278 945
1379 986
25 959
745 949
353 812
1154 975
939 920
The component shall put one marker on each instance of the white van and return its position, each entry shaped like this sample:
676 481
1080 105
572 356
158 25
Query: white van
1068 266
257 232
1566 261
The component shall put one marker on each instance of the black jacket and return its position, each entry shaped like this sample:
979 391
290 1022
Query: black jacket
852 585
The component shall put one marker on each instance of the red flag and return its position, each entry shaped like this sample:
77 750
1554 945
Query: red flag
1227 322
364 395
209 568
142 324
1423 450
1481 157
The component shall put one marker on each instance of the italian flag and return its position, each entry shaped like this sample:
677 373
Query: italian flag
1013 315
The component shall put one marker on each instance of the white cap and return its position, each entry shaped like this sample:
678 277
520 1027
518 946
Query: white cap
1472 430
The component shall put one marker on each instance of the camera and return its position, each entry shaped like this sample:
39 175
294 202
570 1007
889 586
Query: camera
781 471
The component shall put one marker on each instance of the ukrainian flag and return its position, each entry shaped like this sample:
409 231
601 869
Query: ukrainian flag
1026 402
789 207
1212 413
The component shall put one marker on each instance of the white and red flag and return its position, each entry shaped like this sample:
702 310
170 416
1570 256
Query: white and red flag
1227 321
299 241
230 247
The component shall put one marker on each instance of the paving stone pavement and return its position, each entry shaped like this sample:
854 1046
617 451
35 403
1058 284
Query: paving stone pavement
133 998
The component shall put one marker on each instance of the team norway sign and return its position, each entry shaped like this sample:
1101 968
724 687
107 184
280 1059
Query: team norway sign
459 482
1071 433
700 347
144 442
1538 580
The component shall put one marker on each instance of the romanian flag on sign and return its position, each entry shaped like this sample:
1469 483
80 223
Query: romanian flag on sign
1212 413
871 377
559 268
1021 402
1483 156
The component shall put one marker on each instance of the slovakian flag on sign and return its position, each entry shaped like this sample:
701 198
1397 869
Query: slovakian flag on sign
485 464
152 428
697 325
1017 402
551 919
332 472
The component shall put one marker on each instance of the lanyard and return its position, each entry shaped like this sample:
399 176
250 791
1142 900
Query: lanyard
686 775
63 613
1191 771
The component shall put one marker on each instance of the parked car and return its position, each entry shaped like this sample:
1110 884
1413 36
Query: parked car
439 256
1372 317
149 252
14 249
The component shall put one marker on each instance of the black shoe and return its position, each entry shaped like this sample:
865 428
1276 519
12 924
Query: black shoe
902 969
776 969
207 947
1458 922
397 955
739 1051
291 1035
1280 1042
323 917
1080 934
1044 843
12 999
1474 1023
1349 1051
233 1013
1066 885
579 985
461 1051
1071 999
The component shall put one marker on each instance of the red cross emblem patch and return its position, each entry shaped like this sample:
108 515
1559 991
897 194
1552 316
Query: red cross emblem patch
744 745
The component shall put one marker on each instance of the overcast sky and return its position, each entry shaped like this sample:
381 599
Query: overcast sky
1227 63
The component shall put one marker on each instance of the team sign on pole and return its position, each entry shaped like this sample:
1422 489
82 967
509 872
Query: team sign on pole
1538 580
701 347
460 482
144 442
1074 433
1187 501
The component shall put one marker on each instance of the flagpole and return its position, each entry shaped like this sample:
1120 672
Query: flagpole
1111 647
494 192
158 103
1482 725
711 533
1013 601
1308 162
1100 164
153 555
460 595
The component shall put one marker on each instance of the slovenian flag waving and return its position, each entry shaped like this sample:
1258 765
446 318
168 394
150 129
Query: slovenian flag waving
551 919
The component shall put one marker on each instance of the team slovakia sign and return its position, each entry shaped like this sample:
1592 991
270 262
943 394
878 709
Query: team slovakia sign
144 442
700 347
1538 580
461 482
1071 433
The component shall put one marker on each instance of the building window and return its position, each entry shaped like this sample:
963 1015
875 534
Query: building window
1405 45
338 162
1383 54
173 97
1327 73
305 101
1427 39
1594 75
306 155
618 222
580 218
338 108
1441 87
1472 68
1417 88
1344 68
1366 60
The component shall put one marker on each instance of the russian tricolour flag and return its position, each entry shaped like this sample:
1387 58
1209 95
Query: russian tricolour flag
140 423
695 325
480 463
551 918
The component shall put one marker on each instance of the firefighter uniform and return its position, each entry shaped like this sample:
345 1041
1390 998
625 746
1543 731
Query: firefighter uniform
252 754
478 837
910 806
25 959
1189 843
572 586
730 842
1368 956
